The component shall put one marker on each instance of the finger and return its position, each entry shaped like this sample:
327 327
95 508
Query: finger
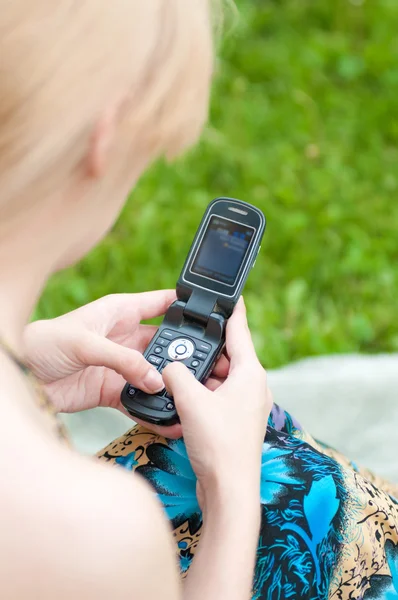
182 385
143 336
153 304
213 383
245 368
98 351
239 342
221 369
171 433
105 313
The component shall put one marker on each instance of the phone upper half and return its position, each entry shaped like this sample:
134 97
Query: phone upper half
224 249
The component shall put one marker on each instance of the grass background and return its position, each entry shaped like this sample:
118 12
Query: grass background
304 124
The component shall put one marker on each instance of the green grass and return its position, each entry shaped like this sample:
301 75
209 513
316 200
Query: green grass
304 124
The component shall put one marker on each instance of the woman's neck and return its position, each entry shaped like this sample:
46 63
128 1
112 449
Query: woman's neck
24 270
17 300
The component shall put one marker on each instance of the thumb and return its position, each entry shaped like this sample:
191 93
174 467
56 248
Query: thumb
98 351
183 386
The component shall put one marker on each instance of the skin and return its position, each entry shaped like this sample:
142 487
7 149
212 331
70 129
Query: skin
84 358
73 528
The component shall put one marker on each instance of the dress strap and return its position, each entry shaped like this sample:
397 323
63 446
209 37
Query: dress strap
11 354
41 398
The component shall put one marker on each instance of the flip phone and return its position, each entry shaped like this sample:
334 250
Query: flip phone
223 252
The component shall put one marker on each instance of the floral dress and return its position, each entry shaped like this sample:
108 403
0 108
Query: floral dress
329 529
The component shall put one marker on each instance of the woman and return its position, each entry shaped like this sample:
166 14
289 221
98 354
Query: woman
91 94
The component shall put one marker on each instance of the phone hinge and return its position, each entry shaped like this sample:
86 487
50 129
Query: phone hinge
200 306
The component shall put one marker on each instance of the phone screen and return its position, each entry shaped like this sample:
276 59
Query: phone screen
222 251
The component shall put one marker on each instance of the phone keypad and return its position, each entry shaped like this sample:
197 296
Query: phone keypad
169 346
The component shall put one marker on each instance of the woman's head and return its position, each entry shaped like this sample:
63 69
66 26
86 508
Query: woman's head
91 91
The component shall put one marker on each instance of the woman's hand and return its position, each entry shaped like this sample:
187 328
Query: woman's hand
224 432
85 357
224 429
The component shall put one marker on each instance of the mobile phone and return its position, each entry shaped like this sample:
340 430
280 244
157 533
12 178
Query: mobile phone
223 252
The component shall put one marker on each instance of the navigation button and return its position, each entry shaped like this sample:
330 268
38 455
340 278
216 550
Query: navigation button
181 349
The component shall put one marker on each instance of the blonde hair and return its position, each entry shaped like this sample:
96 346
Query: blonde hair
61 60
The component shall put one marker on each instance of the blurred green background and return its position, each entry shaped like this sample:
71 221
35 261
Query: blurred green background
304 124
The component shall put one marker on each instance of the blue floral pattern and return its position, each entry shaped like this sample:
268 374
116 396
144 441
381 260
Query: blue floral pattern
327 531
386 588
298 528
128 462
172 476
277 474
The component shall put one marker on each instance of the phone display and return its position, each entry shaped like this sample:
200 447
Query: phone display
222 250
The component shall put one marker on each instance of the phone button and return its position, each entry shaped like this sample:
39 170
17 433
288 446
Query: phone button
158 350
181 349
170 406
203 347
168 334
200 355
195 364
255 260
162 342
155 360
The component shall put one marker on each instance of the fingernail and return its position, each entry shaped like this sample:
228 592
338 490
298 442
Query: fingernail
153 381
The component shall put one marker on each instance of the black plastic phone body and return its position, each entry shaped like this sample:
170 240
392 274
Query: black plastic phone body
222 254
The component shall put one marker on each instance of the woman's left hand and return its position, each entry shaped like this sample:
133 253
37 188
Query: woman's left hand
85 357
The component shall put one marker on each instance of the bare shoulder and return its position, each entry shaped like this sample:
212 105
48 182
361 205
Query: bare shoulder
119 533
74 527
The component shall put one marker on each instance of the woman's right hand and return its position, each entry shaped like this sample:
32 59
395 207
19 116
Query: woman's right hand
224 430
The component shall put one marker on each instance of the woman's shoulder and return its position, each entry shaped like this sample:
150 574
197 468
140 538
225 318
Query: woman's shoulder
74 514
